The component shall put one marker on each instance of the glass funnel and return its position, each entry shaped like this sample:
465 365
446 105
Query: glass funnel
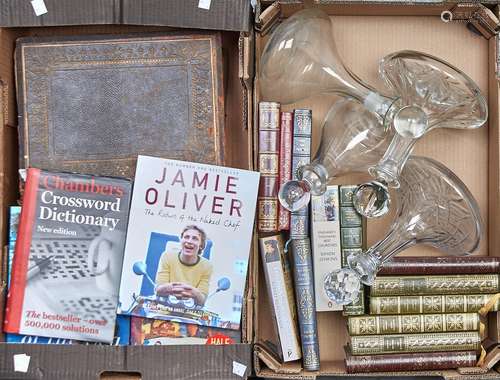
434 208
301 59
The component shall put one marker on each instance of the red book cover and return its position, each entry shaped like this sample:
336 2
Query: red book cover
285 166
68 257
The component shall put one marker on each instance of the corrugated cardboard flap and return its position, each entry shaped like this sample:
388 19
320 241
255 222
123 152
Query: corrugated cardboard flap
231 15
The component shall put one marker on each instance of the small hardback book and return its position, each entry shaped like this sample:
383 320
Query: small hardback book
188 242
437 284
91 104
413 323
68 256
407 343
285 167
422 361
352 227
153 332
280 289
269 148
14 215
432 265
325 239
451 303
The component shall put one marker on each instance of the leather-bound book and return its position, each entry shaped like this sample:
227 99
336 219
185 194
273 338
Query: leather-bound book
285 171
269 146
422 265
92 104
409 362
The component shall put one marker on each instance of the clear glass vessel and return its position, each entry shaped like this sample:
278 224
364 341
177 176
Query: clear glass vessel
434 208
301 59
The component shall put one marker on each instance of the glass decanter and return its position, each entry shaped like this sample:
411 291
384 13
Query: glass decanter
301 59
434 208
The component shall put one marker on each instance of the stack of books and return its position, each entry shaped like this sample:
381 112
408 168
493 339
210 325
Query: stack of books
424 315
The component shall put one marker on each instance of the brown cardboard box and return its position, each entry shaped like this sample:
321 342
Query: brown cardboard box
125 362
365 32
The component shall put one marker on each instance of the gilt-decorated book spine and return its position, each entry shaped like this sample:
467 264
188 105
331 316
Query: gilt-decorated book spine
285 167
306 305
423 285
280 290
422 265
452 303
413 323
425 361
269 145
407 343
352 240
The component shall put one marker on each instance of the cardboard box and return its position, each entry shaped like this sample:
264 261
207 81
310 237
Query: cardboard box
365 32
130 362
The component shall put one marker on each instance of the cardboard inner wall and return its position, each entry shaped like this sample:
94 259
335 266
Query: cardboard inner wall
214 361
362 40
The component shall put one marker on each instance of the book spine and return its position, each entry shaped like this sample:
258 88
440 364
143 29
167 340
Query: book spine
410 362
285 168
454 303
280 292
401 343
421 265
423 285
306 308
352 241
269 137
15 296
413 323
325 234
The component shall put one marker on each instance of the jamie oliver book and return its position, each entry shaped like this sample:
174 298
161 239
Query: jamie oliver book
188 242
68 256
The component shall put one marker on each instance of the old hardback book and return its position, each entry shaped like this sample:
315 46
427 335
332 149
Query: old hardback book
407 343
285 159
280 289
428 265
325 239
352 229
439 284
424 361
452 303
413 323
92 104
269 147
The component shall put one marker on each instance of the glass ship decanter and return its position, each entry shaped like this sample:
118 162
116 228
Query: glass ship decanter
301 60
434 208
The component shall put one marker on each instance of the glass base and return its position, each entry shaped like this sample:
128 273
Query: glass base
342 286
294 195
372 199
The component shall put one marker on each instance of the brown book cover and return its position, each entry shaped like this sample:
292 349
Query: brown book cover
285 159
409 362
269 145
422 265
92 104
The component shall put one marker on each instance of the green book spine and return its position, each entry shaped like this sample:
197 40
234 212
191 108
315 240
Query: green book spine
413 323
423 285
453 303
351 240
409 343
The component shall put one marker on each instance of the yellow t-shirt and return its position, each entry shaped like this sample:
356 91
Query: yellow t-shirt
171 269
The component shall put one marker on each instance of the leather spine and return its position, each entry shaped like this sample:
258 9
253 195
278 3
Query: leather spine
423 285
410 362
285 167
452 303
421 265
269 137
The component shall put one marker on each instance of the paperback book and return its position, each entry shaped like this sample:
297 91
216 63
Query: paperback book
68 255
187 250
148 332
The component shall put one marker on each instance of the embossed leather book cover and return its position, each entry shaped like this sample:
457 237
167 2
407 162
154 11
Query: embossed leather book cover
92 104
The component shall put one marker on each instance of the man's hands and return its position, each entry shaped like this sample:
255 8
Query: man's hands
180 290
